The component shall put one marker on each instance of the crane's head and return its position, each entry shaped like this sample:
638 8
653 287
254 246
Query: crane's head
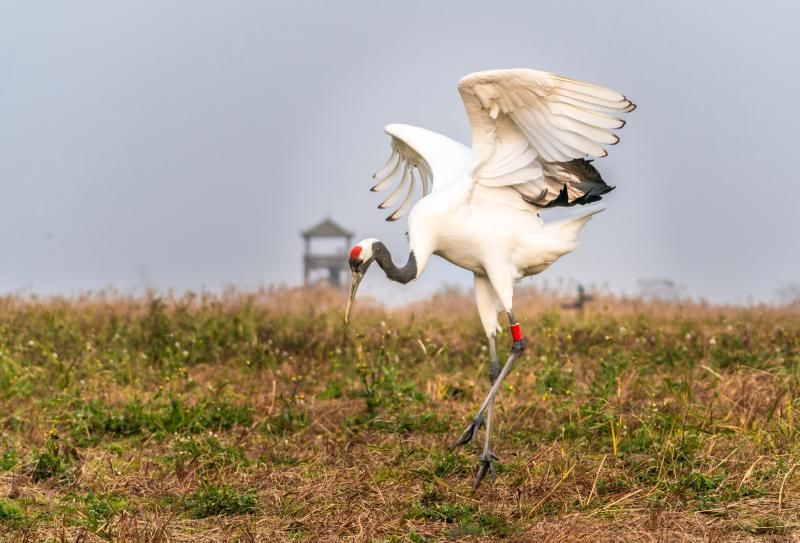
361 256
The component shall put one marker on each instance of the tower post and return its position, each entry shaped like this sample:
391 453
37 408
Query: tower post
334 263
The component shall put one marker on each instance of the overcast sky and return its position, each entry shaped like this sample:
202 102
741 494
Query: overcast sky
185 144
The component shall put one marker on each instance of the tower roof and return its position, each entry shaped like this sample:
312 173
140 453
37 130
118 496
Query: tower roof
326 229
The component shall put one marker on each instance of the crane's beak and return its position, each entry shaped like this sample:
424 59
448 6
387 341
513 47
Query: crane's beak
355 279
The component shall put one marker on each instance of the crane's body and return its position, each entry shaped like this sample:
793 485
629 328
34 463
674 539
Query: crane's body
480 207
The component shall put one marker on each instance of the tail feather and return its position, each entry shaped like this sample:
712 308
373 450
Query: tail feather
558 238
569 228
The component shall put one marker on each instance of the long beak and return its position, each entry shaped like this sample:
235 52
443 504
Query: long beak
355 279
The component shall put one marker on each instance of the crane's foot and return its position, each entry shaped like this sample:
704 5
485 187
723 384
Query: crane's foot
470 433
486 466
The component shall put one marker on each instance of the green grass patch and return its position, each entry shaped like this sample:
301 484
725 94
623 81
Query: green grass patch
452 463
207 452
99 509
212 500
93 420
10 513
8 460
53 460
468 520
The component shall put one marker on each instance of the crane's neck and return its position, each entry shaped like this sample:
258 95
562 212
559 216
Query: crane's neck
384 259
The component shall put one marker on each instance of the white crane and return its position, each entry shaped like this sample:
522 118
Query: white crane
531 134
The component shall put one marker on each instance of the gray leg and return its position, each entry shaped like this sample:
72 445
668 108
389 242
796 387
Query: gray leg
488 457
471 432
487 407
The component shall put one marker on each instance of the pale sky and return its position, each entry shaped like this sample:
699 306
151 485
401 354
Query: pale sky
185 144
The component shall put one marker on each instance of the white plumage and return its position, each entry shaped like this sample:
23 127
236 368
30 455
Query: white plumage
532 132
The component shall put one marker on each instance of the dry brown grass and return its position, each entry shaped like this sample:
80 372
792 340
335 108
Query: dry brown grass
259 417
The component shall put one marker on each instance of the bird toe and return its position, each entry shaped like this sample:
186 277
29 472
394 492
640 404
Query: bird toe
486 466
469 434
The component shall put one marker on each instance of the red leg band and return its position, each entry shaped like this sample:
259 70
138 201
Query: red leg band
516 332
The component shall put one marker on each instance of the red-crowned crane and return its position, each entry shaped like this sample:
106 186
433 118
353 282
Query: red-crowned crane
532 132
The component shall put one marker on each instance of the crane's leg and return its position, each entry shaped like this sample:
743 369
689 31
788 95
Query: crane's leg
493 293
488 457
487 407
488 304
471 432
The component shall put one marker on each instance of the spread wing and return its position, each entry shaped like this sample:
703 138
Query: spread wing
532 130
419 157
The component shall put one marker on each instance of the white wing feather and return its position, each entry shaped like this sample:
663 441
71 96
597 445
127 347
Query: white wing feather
522 122
436 159
522 119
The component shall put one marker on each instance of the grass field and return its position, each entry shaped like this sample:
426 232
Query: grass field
261 418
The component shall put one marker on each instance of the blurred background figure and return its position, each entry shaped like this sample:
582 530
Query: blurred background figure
580 301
